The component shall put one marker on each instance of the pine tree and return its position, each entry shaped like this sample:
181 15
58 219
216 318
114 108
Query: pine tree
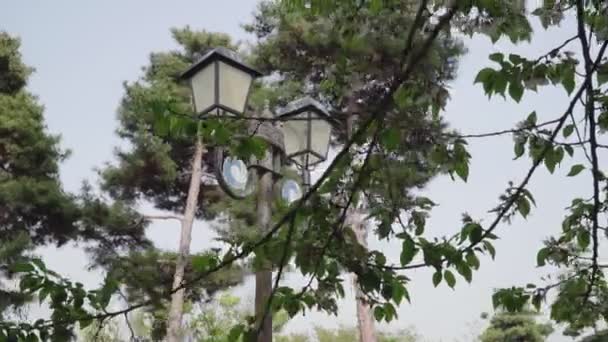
34 208
345 58
511 327
166 170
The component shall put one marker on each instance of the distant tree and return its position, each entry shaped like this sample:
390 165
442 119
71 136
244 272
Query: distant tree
34 208
348 334
516 327
108 332
599 336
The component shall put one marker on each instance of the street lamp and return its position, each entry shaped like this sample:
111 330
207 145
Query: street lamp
307 132
221 84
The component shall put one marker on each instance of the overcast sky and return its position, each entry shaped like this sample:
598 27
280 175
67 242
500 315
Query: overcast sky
84 50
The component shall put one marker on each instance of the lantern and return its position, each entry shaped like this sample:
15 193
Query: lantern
306 131
220 83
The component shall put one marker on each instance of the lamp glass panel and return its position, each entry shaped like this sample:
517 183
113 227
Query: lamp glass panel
203 88
295 130
320 135
291 191
234 87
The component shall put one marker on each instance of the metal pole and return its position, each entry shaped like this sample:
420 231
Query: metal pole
263 277
305 180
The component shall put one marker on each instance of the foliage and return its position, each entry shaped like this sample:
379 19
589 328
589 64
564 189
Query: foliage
70 303
387 63
108 332
346 334
506 327
597 337
34 208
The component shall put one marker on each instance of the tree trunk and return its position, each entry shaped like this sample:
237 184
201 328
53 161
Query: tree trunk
177 299
263 277
365 320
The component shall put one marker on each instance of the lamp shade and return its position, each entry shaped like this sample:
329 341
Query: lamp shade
220 83
306 131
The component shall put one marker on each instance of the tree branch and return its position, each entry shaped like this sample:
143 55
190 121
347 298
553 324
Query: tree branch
590 116
163 217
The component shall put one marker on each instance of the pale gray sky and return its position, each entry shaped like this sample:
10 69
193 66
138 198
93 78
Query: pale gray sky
84 50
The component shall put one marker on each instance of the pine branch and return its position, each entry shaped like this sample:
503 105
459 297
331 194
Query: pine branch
163 217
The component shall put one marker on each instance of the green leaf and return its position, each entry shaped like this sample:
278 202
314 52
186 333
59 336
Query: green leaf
22 267
575 170
465 271
497 57
484 75
390 138
499 83
449 278
475 232
568 81
531 119
203 262
519 148
43 293
568 130
462 169
515 59
419 222
472 260
378 313
602 74
408 251
85 323
490 248
583 238
536 301
398 292
523 206
516 90
236 332
437 276
569 149
550 160
541 256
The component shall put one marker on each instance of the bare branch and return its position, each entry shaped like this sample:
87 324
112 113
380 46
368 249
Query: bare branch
590 116
553 52
162 217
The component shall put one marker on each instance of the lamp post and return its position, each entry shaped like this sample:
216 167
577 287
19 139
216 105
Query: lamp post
221 84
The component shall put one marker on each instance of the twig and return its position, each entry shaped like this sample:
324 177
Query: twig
502 132
126 315
556 50
163 217
99 328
